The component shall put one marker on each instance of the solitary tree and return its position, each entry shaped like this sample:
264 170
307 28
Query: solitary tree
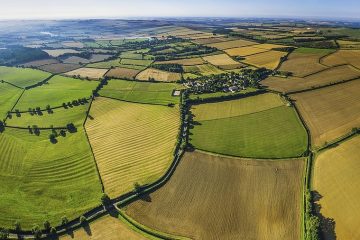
36 231
64 220
105 199
17 226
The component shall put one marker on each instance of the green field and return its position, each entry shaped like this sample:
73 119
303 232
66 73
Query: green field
254 131
22 77
60 117
135 55
141 92
58 90
44 181
8 97
136 62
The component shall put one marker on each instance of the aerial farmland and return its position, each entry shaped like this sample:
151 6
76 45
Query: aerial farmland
180 129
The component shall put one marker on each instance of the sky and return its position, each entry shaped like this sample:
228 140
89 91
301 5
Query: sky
65 9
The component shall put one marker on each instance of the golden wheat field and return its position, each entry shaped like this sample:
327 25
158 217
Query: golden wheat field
336 179
91 73
132 143
158 75
244 51
222 60
270 59
330 112
215 197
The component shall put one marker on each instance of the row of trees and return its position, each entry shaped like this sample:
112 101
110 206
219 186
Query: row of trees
173 67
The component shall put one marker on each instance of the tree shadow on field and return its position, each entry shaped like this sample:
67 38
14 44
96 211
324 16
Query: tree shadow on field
90 117
145 197
87 229
70 232
327 225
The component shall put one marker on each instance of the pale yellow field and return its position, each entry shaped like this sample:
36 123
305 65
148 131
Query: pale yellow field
72 44
91 73
232 44
215 197
184 62
244 51
349 44
336 178
105 228
59 52
268 60
158 75
221 60
235 108
351 57
131 142
330 112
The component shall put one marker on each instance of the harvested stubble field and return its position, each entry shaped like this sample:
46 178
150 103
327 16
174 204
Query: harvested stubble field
141 92
59 67
351 57
158 75
132 143
232 44
270 59
348 44
222 61
39 63
336 179
58 90
123 73
91 73
75 60
244 51
73 44
330 112
216 197
22 77
304 61
323 78
63 174
109 228
8 97
260 127
184 62
59 52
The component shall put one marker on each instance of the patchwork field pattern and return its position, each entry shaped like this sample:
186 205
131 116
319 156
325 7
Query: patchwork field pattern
351 57
232 44
122 163
330 112
222 61
202 182
336 179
